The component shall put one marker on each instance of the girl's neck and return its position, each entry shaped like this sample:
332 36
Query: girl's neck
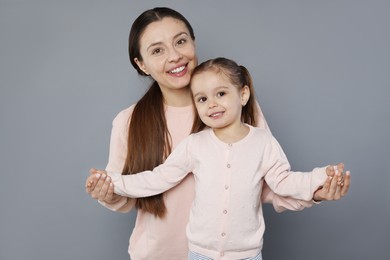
231 134
177 97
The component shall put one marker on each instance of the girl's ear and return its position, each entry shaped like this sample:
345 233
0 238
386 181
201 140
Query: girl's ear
141 65
245 95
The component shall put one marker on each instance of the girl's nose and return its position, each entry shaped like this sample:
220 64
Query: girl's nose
212 103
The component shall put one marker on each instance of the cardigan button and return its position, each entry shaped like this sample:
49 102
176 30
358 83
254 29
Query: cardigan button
228 165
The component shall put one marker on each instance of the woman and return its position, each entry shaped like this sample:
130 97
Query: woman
162 46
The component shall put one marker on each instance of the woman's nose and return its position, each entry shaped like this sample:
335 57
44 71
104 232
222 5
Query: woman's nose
174 55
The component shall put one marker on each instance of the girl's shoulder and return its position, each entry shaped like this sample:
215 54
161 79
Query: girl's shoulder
260 134
199 137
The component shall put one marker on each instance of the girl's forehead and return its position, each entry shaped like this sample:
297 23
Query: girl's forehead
211 75
210 79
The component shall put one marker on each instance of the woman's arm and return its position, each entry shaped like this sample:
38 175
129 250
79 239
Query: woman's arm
98 186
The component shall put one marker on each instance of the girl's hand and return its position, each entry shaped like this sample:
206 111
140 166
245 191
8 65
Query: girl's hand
100 187
333 170
336 186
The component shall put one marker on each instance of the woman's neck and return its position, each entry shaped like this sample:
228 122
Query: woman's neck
177 97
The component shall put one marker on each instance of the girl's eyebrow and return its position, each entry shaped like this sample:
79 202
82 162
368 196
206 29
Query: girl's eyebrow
216 89
197 94
158 43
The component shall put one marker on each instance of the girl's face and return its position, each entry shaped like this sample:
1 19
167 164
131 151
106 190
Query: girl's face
168 54
217 100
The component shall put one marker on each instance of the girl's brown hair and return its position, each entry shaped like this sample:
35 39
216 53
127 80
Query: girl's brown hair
149 141
238 76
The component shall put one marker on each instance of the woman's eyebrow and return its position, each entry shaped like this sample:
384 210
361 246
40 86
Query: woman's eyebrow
158 43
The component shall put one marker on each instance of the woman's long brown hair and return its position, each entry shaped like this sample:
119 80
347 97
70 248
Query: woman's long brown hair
149 141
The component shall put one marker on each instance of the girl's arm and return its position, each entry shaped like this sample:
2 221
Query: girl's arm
279 203
162 178
282 181
332 189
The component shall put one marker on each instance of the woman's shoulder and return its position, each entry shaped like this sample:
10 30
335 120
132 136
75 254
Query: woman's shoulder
124 115
260 133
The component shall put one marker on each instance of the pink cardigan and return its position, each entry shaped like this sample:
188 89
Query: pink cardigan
226 219
155 238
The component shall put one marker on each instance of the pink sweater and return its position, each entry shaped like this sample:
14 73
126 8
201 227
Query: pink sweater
226 220
154 238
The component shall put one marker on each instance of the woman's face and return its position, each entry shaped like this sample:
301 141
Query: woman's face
168 54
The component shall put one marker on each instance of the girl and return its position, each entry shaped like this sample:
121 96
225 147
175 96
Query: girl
230 160
162 47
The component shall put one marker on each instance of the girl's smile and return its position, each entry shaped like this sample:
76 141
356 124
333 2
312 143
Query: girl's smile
219 102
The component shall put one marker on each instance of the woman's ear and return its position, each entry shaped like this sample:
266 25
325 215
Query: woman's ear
245 95
141 66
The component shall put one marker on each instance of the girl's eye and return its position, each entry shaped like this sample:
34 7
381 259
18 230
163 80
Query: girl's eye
202 99
220 94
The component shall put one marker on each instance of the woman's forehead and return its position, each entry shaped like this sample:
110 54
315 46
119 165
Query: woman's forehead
166 28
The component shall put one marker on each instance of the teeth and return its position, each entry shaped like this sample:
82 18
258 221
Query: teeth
177 70
216 114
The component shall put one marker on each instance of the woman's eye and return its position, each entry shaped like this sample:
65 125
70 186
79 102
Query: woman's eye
156 51
181 41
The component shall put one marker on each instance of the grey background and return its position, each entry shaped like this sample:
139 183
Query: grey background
321 71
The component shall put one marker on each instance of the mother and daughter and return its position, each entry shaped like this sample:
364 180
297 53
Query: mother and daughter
214 180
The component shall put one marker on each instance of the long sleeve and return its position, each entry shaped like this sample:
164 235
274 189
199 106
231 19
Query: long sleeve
282 181
162 178
117 156
279 203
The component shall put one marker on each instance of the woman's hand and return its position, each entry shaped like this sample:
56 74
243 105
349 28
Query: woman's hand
100 187
336 186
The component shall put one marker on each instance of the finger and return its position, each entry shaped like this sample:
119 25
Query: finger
347 183
322 192
90 184
99 181
333 187
92 171
327 183
330 170
110 192
105 187
336 170
337 194
340 180
340 167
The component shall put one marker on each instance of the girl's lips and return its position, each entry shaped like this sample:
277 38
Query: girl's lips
216 114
